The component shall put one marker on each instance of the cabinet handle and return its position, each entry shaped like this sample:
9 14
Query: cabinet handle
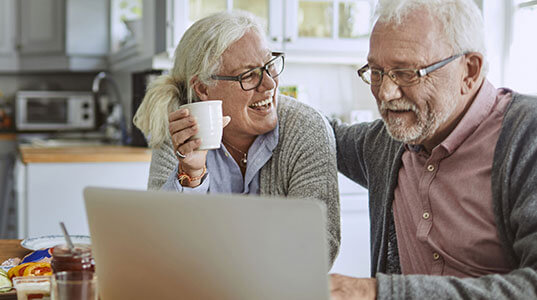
289 39
276 39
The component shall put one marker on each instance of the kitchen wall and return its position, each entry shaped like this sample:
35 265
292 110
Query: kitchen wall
335 90
11 83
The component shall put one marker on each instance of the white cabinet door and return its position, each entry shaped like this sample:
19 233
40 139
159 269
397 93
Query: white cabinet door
185 12
299 27
52 192
354 254
329 26
7 26
42 35
42 26
81 15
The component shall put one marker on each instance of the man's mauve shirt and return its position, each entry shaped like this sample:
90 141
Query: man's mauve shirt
443 201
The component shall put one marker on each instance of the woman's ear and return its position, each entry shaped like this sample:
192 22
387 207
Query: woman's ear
199 88
473 69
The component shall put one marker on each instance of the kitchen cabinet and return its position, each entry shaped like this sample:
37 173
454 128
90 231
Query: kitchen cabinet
50 182
354 254
41 26
332 31
53 35
310 31
138 40
147 39
7 35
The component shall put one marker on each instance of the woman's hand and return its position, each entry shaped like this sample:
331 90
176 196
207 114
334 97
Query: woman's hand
183 127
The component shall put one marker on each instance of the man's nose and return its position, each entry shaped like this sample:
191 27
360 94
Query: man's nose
388 90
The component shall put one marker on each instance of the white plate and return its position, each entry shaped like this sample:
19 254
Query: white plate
49 241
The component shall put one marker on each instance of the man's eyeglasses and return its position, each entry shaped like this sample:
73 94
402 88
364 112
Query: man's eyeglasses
402 77
251 79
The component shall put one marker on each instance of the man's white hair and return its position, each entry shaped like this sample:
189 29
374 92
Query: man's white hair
461 20
198 54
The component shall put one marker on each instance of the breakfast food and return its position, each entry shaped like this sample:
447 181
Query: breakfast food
32 274
34 287
30 269
10 263
5 283
37 263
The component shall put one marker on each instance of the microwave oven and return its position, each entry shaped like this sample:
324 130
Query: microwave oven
54 111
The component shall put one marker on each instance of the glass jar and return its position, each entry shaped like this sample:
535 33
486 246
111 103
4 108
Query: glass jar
80 259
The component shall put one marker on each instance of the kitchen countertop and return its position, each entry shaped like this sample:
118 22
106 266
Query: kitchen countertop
8 136
81 154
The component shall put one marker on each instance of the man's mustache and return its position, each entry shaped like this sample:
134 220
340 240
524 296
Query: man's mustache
398 105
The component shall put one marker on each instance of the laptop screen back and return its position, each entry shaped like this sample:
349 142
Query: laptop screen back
167 245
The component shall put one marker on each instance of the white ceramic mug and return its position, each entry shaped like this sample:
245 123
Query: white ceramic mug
208 115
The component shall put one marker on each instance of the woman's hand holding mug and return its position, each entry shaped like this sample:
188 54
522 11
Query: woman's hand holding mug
187 142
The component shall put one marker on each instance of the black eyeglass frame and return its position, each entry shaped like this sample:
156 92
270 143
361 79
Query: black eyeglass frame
420 72
263 69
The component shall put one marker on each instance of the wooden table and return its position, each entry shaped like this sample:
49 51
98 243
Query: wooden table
8 249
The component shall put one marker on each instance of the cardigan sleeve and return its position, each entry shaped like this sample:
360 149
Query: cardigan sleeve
356 144
315 176
518 284
163 164
304 164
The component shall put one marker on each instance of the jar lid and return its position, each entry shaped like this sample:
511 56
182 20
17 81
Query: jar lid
80 250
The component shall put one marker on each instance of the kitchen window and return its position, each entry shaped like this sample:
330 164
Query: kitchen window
511 46
521 63
125 23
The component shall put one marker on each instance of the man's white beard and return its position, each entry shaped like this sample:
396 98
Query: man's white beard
426 125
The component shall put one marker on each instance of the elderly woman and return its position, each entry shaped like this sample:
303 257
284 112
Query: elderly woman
272 145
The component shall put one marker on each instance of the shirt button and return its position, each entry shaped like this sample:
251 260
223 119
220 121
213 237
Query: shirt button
436 256
430 168
426 215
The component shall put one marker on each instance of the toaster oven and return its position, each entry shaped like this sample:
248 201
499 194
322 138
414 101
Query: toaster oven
54 111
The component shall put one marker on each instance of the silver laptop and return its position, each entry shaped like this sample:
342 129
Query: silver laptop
168 245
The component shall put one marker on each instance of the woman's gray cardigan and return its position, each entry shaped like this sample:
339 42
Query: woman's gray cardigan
303 164
368 155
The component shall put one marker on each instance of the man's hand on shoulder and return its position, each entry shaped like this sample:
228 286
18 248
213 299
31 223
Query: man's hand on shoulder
350 288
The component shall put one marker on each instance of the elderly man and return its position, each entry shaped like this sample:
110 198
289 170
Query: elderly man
451 168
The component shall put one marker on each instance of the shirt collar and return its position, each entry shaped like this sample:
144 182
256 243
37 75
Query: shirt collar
480 108
260 152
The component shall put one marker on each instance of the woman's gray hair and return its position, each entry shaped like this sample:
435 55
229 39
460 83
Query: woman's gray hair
461 20
198 55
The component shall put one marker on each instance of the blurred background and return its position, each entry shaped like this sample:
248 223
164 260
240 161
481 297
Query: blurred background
99 56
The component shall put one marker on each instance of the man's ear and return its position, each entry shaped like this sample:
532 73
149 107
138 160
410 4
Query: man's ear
473 67
199 88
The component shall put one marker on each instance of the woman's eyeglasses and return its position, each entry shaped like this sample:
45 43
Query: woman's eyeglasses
253 78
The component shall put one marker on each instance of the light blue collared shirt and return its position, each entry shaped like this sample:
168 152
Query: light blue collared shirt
223 172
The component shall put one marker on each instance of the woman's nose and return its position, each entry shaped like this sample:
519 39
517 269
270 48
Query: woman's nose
268 83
